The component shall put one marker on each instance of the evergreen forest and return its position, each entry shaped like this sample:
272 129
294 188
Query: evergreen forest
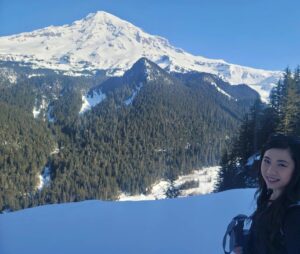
240 160
150 127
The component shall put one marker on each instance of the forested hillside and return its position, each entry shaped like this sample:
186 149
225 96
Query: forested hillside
24 149
151 125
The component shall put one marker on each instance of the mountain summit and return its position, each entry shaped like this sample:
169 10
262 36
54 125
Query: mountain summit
104 41
145 70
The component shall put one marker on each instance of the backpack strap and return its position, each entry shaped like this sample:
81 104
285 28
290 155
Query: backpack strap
237 221
293 205
228 234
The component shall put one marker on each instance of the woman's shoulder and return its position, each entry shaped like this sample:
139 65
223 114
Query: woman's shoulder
294 205
293 210
292 217
291 229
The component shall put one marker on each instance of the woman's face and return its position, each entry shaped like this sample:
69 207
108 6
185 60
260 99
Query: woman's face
277 168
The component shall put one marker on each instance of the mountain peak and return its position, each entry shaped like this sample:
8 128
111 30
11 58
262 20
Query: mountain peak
102 25
100 14
102 41
145 70
102 17
144 63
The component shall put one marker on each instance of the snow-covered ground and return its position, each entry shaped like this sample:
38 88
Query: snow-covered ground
38 108
192 225
131 98
9 75
220 90
91 100
44 178
205 178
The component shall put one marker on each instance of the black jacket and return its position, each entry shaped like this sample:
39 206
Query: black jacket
287 241
291 231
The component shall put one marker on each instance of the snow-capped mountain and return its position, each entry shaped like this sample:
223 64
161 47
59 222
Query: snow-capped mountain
103 41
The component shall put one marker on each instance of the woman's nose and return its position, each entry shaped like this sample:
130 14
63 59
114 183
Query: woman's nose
271 169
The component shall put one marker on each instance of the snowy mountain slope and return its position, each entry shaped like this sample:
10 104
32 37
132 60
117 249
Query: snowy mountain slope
103 41
145 72
91 100
193 225
7 74
141 72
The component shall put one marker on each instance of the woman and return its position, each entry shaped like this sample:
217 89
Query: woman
276 221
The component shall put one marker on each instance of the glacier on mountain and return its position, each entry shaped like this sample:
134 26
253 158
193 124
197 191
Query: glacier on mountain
102 41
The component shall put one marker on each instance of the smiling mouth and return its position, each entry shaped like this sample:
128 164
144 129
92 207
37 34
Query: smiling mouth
272 179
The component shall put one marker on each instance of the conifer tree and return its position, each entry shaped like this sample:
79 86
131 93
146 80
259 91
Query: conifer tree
287 106
282 115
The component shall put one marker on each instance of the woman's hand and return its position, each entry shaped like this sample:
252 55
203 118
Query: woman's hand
238 250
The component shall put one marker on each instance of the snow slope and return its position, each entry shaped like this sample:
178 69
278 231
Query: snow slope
103 41
91 100
206 179
193 225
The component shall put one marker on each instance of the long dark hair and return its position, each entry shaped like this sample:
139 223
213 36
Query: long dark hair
274 213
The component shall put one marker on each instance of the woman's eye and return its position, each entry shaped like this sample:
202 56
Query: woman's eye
266 161
282 165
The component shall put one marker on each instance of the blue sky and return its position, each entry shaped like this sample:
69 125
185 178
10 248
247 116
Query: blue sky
257 33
